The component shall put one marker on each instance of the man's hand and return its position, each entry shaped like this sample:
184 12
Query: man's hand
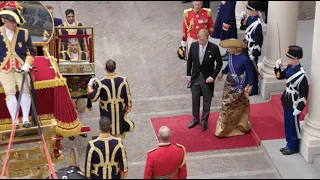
25 67
92 80
209 80
278 63
296 112
220 77
183 43
189 79
243 14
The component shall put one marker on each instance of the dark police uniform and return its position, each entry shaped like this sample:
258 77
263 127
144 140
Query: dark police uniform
115 102
106 158
294 97
225 26
64 41
253 38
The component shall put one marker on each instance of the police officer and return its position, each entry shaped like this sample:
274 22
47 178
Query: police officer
254 37
294 97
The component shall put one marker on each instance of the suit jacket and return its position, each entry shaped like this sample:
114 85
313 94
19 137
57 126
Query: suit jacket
207 68
57 21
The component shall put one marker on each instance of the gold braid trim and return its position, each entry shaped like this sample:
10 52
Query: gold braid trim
68 129
208 11
52 83
42 117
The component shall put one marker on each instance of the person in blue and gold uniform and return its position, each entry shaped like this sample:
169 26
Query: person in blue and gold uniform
235 111
71 22
168 161
115 99
294 97
73 53
16 53
253 38
225 26
106 156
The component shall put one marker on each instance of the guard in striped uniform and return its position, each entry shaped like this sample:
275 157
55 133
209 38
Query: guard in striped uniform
115 99
253 38
105 156
167 161
294 98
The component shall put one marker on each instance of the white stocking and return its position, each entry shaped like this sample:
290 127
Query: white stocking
80 115
12 104
25 106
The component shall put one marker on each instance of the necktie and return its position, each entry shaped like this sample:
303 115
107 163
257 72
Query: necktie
201 54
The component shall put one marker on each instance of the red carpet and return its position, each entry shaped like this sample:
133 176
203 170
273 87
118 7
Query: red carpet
266 120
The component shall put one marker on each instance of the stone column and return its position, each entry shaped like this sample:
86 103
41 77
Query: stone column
282 15
310 142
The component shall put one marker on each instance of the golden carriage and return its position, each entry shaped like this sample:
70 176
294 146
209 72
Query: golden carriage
54 110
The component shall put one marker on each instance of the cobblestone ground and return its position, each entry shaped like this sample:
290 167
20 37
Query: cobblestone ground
143 37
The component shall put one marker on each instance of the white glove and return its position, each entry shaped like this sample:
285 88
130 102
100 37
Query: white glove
92 81
26 67
278 63
296 112
251 57
243 14
188 78
183 43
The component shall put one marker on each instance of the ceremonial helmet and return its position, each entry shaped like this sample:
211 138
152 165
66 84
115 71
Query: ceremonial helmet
12 15
254 5
294 52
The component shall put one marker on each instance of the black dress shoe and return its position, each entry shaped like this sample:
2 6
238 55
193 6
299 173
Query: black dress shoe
26 125
288 152
282 149
204 125
17 126
84 135
193 123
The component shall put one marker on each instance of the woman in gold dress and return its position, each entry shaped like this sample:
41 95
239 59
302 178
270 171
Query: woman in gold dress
234 114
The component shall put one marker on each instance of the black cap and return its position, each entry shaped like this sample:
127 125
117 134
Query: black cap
294 52
254 5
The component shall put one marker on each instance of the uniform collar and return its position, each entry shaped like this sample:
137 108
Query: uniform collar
254 17
111 75
164 144
297 66
104 135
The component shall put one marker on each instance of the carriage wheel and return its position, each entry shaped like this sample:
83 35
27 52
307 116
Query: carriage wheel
71 137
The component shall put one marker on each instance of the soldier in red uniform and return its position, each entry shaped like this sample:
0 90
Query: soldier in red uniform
167 161
195 19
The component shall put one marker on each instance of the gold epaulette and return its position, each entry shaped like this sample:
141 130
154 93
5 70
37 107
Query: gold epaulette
209 11
152 150
184 156
185 12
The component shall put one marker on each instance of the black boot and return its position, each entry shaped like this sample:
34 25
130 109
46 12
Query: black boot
288 151
282 149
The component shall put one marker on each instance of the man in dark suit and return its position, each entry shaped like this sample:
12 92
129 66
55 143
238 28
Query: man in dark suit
201 59
57 21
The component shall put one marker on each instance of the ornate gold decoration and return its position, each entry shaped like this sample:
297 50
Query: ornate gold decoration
45 35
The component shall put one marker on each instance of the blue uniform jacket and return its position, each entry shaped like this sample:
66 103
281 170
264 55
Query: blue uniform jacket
22 43
115 102
226 14
57 21
105 158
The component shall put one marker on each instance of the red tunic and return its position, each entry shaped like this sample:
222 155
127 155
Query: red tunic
193 23
166 162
